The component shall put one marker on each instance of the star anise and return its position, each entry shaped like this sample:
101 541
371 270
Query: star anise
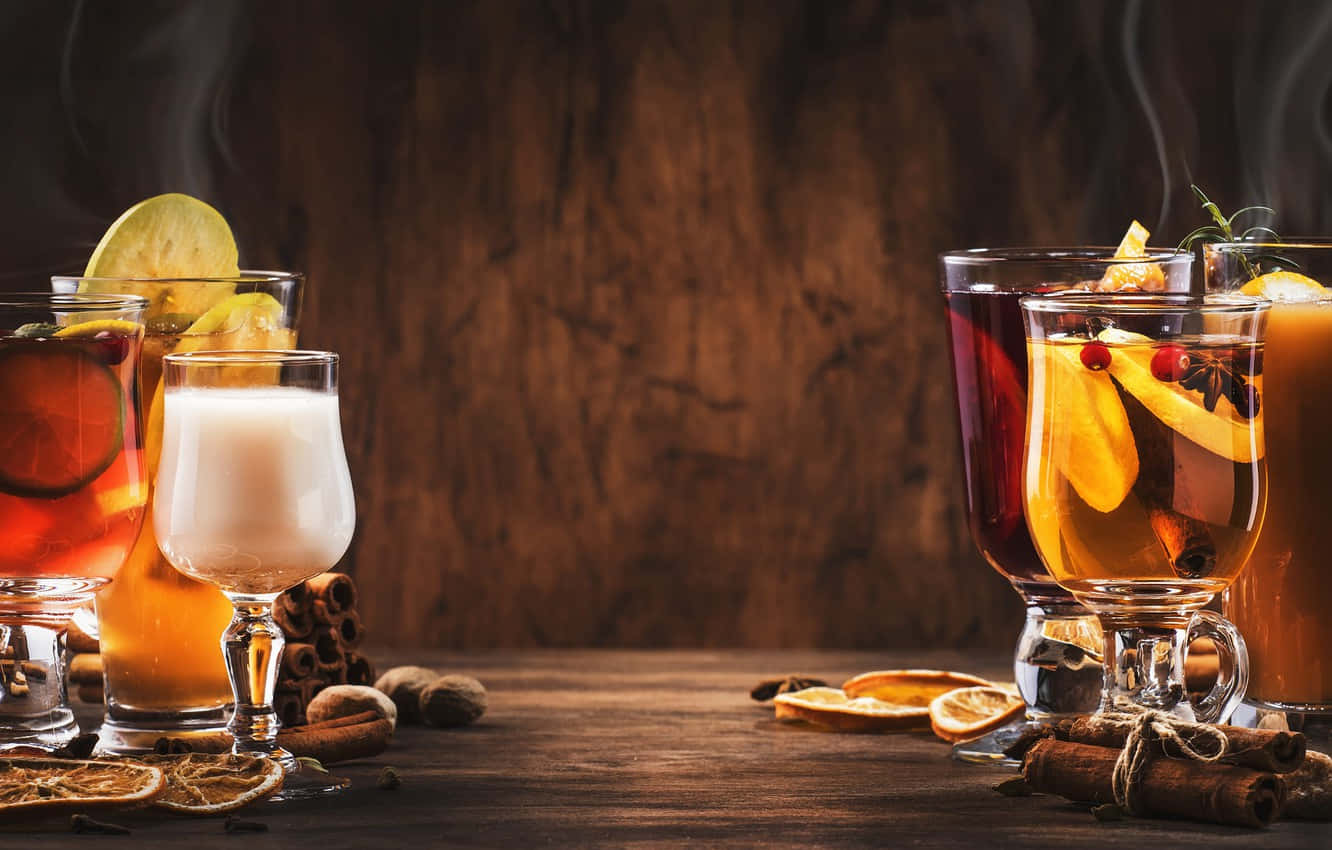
1214 378
769 688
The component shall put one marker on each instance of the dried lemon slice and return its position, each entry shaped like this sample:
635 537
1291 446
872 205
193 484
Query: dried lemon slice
49 784
834 709
909 687
164 237
204 784
968 713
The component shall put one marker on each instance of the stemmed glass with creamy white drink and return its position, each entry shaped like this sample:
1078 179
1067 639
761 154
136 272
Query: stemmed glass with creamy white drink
254 496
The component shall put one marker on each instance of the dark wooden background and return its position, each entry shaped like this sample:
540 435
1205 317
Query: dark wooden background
637 300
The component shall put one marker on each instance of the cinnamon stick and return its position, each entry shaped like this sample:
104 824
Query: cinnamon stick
342 739
295 625
1186 541
90 693
335 590
1260 749
1310 795
1212 793
298 661
289 707
77 640
295 598
350 631
330 661
86 669
359 669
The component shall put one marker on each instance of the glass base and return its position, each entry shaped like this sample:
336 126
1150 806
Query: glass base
989 748
302 782
48 731
127 733
34 710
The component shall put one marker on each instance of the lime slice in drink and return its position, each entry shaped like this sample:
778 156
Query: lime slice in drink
1221 431
250 320
62 422
165 237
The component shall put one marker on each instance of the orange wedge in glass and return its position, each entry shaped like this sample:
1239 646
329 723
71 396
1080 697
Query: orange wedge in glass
909 687
1133 277
968 713
834 709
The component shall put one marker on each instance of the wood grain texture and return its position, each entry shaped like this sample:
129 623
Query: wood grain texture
620 749
637 300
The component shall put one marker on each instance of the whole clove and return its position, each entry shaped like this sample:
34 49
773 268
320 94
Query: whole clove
80 747
1014 786
85 825
389 780
769 688
235 824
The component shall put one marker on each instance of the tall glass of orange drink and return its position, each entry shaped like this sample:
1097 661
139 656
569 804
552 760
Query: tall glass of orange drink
72 487
159 629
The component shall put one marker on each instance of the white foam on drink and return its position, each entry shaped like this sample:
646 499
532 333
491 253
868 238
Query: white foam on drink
253 493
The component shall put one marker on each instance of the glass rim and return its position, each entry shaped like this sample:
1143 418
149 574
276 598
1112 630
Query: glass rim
1302 243
244 276
1061 255
72 302
1144 303
252 357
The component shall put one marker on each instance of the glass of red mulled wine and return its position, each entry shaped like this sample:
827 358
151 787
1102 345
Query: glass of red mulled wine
1059 655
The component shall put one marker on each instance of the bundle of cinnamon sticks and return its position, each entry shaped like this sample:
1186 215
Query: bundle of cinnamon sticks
1263 775
323 631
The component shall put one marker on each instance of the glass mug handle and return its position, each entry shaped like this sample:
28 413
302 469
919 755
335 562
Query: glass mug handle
1232 677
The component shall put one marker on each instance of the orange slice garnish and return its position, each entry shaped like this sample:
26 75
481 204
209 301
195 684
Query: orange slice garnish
50 784
834 709
968 713
909 687
1285 286
1133 277
204 784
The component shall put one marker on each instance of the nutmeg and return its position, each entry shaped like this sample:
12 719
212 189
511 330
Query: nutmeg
404 685
346 700
453 701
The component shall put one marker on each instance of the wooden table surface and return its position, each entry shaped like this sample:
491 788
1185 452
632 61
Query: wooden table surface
640 748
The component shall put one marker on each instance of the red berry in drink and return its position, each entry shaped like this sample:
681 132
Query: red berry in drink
1169 363
1095 356
115 348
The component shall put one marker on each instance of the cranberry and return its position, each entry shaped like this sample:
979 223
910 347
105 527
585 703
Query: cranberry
1169 363
1095 356
115 348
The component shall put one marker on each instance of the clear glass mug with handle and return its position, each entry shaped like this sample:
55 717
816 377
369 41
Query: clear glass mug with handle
1145 476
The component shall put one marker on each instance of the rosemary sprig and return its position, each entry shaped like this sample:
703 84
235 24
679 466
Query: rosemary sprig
1222 229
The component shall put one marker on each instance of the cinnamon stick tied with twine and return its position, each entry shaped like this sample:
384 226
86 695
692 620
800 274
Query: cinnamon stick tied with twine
1260 749
1201 791
355 736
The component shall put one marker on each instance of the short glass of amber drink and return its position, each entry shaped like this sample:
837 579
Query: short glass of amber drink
72 487
1282 602
1145 476
158 628
1057 660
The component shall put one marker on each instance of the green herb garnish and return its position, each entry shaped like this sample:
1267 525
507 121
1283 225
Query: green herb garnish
1222 229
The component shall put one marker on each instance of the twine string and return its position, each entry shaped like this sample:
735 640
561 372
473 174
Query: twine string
1149 731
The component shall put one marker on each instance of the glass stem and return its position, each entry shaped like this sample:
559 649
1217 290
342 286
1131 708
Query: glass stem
252 645
1056 677
1148 667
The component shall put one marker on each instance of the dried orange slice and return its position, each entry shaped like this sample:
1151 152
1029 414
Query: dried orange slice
205 784
909 687
1133 277
1082 632
48 784
968 713
834 709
